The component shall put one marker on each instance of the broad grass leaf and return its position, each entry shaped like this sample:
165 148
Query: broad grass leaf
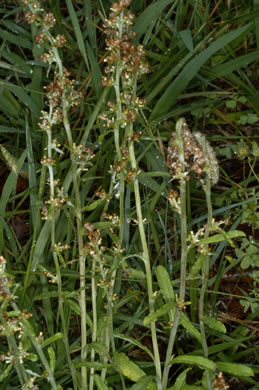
186 36
214 324
235 369
11 182
9 104
96 71
15 63
52 358
128 368
222 237
181 380
31 174
100 383
165 309
144 384
149 16
96 365
187 324
52 339
135 342
77 31
197 266
15 39
91 29
166 288
6 372
7 129
234 65
169 97
195 360
23 97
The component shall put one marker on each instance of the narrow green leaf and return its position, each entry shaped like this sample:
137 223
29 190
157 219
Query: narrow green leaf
149 16
214 324
23 97
91 29
159 313
100 383
144 384
9 159
8 102
96 365
52 359
16 39
135 342
10 184
166 288
127 367
187 324
181 379
169 97
31 174
96 71
74 306
188 387
52 339
195 360
235 64
77 30
186 36
222 237
93 205
165 283
235 369
6 371
197 266
7 129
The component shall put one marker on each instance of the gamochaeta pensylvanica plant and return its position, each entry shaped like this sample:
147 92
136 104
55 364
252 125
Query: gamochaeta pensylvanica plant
61 97
187 153
125 62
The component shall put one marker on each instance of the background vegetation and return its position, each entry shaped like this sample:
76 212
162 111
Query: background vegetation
91 234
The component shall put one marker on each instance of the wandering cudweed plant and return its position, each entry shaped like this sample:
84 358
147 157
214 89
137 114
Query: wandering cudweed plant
96 252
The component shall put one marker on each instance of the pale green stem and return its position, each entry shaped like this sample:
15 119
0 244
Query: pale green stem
184 250
146 258
94 331
58 273
80 243
38 348
205 275
13 350
82 257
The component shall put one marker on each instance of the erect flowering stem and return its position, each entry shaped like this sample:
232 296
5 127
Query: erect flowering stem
125 61
205 272
62 96
181 175
55 257
146 257
190 152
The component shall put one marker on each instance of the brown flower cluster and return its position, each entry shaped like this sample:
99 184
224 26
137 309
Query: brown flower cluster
4 281
196 159
124 59
45 21
120 47
219 383
56 89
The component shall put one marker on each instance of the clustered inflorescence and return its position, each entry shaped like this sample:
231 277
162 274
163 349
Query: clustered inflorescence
197 159
61 96
12 320
125 60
